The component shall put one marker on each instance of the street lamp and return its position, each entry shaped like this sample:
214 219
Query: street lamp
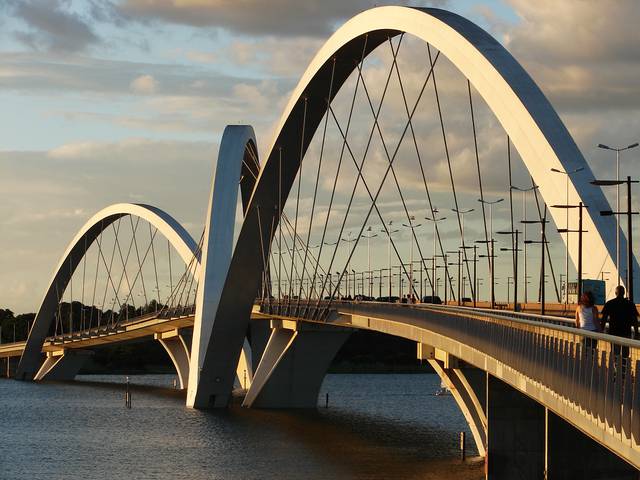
435 234
542 242
618 150
369 237
490 258
339 281
579 231
524 232
568 173
349 240
514 248
389 231
459 264
475 273
412 226
629 215
491 255
462 212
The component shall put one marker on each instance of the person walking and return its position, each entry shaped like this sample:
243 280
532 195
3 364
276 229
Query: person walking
622 316
587 317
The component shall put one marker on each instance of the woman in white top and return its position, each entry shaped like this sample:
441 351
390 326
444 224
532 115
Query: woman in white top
587 313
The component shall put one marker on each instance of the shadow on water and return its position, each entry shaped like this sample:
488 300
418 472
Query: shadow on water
385 431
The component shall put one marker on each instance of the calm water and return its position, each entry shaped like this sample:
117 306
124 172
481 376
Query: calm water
376 427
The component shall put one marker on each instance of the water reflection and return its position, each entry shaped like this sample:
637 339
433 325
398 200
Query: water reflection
377 427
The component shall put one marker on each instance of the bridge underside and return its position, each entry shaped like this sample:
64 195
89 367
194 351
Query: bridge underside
453 344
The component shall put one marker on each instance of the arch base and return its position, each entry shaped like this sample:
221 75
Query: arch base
294 364
64 365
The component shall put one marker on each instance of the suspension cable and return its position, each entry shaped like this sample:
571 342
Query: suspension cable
315 189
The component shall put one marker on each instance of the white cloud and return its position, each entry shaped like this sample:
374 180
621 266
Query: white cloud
144 84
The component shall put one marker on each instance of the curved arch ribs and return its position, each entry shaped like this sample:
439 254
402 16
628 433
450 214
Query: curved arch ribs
526 115
178 342
230 276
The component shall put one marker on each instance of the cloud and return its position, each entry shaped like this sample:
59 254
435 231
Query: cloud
50 194
82 74
50 27
253 17
584 54
144 84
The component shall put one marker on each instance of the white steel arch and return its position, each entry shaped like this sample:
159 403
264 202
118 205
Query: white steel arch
534 127
179 238
532 124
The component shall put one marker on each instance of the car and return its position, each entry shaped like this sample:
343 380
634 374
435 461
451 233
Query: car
432 299
387 299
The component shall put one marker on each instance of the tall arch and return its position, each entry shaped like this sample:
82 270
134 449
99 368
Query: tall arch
534 127
237 164
166 225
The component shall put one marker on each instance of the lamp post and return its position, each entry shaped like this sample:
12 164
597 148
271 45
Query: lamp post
567 173
524 234
491 254
369 237
629 215
435 220
339 281
617 150
492 275
420 263
473 276
389 231
514 248
542 242
462 213
446 274
349 239
412 226
579 231
459 265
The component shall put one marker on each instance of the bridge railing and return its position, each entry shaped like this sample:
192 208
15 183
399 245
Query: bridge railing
594 373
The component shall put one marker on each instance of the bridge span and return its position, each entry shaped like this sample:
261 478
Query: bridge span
535 377
543 399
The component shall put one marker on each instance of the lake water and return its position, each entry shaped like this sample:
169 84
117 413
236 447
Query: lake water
376 427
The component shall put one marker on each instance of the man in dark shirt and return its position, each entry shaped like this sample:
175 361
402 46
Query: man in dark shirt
622 315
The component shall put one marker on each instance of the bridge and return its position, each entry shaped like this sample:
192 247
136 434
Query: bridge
366 140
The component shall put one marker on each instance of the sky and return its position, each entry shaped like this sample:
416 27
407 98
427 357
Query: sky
125 100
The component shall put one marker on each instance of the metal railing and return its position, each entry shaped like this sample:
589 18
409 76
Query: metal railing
595 373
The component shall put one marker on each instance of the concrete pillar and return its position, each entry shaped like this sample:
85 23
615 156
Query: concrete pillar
63 365
573 455
178 347
9 366
259 332
244 371
294 364
515 435
177 343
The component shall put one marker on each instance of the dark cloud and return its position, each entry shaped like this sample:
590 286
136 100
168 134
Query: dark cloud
51 26
279 17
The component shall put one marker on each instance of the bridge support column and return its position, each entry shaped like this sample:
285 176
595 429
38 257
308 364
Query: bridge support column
63 365
177 343
515 435
9 366
455 379
294 364
259 332
573 455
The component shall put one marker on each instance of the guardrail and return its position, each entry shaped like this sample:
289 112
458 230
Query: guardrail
596 373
